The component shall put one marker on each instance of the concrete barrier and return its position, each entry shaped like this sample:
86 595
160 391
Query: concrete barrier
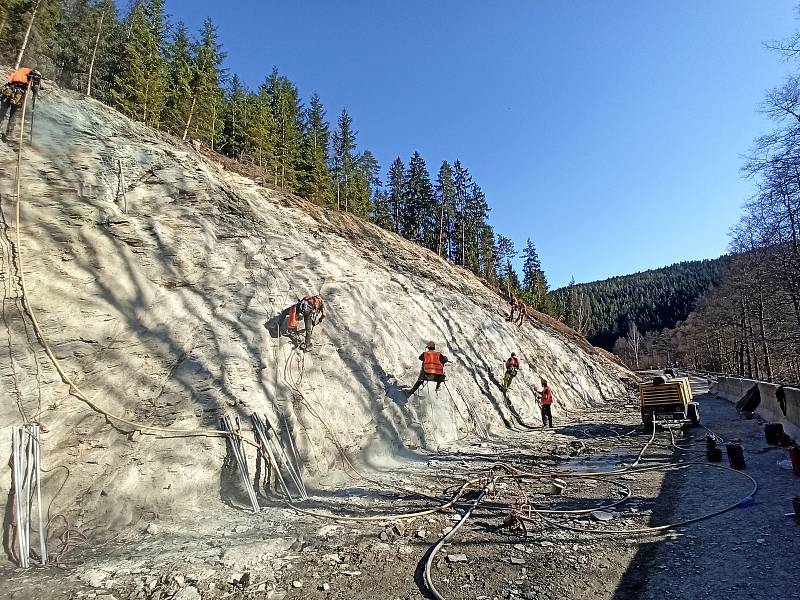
733 388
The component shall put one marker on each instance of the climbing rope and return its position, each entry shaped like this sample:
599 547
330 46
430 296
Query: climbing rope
74 389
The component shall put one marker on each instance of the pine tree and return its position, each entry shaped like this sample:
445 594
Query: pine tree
343 160
395 194
207 96
235 122
286 112
180 95
28 29
475 215
531 266
315 181
382 214
446 200
261 133
534 281
419 204
462 183
486 256
141 85
505 252
106 30
366 179
73 34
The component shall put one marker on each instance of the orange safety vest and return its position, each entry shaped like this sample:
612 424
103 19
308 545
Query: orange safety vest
547 396
432 362
21 75
512 362
293 320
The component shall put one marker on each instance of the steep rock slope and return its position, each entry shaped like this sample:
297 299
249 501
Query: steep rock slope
162 316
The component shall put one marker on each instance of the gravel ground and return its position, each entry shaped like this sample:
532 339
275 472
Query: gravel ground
746 553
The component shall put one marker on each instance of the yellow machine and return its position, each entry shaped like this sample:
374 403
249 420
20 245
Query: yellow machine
668 399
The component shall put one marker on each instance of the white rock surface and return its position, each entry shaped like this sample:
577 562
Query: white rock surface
160 315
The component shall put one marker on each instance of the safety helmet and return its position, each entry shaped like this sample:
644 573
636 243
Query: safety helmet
431 345
513 354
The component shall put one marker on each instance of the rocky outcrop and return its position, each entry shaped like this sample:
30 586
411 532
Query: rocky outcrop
162 315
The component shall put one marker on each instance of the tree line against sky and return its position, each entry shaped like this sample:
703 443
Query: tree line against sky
157 72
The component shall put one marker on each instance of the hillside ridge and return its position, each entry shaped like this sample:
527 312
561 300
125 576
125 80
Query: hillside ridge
165 316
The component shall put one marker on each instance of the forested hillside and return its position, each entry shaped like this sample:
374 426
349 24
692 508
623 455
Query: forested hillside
652 300
154 70
750 324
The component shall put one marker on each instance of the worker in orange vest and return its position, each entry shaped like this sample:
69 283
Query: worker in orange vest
546 403
432 368
12 95
512 366
312 310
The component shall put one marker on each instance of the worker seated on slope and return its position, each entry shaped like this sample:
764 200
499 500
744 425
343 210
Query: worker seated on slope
432 368
522 312
312 310
512 366
12 95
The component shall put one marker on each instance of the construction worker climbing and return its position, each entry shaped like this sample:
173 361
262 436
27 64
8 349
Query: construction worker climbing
432 368
512 366
312 309
12 95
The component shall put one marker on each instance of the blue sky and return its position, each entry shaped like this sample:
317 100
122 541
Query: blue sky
610 133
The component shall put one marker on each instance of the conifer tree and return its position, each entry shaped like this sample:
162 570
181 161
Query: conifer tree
366 180
395 194
475 214
315 181
261 133
106 32
236 121
382 214
28 31
181 69
286 112
487 262
504 253
73 34
446 200
207 95
462 184
418 204
343 160
534 281
141 84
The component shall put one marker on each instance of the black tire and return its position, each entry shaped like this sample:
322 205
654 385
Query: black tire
693 412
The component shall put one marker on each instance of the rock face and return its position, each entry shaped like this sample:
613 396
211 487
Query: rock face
165 316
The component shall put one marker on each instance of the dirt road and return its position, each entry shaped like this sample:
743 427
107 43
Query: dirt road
748 552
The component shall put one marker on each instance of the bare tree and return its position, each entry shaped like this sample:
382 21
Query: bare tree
94 55
634 339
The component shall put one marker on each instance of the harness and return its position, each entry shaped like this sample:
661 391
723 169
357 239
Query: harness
13 93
